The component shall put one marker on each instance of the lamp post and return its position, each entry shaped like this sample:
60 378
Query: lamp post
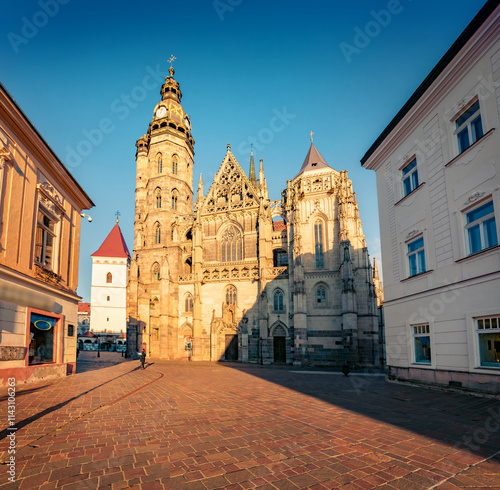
98 346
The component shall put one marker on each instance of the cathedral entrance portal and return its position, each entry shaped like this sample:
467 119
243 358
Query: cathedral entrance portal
231 351
279 350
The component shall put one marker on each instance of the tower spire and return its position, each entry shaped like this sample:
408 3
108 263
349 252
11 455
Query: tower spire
199 194
252 169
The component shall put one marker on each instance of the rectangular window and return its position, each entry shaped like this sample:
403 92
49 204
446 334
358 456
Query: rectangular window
416 256
469 127
481 228
42 339
422 343
488 332
45 239
410 177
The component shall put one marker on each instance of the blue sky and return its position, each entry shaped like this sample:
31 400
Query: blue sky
267 72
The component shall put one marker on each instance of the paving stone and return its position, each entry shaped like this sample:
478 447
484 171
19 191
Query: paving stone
213 426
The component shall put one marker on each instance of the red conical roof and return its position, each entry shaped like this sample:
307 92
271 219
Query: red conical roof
313 160
113 246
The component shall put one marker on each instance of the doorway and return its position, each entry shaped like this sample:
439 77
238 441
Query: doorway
231 351
279 350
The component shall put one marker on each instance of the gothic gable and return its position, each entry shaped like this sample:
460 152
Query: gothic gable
231 189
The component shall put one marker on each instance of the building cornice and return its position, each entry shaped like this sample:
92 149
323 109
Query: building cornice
465 52
24 280
26 132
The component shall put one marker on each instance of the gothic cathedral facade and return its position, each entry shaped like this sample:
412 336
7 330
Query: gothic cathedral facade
232 275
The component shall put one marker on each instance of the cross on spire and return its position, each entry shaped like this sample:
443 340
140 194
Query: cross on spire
117 214
171 60
311 135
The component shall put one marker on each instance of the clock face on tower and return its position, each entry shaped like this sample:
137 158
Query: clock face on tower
161 112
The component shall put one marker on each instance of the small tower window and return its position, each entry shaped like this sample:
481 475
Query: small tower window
175 196
321 295
175 164
318 244
109 278
158 198
159 163
231 295
188 303
278 300
156 271
157 233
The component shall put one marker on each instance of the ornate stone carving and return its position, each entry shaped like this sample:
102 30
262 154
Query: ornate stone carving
474 198
5 157
411 234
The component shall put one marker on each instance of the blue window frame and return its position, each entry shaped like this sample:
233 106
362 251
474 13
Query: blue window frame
416 256
410 177
469 127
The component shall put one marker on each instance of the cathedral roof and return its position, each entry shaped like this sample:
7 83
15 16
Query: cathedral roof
313 160
113 246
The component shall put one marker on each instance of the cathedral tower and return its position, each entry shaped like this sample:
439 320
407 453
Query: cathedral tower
163 196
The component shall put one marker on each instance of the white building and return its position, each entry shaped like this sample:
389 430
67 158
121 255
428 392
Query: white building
110 267
438 180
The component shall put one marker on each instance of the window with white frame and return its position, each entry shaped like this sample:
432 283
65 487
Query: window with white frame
422 343
416 256
488 333
468 127
409 177
45 238
480 228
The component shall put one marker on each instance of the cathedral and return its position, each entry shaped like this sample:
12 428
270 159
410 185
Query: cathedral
225 273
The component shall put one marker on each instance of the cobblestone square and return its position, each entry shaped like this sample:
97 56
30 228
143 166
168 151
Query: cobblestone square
209 426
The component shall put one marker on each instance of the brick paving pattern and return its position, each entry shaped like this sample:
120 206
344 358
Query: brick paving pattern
234 426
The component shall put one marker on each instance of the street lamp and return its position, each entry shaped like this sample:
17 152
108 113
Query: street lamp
98 346
83 215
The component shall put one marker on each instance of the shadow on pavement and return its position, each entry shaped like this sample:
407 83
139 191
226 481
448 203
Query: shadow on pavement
88 360
465 421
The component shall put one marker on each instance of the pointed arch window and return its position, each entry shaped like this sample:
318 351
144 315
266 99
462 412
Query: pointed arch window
318 244
188 303
231 295
321 295
156 271
175 196
159 163
157 233
175 164
158 198
109 278
278 300
231 245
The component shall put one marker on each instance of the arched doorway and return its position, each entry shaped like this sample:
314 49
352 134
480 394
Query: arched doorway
231 347
279 345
